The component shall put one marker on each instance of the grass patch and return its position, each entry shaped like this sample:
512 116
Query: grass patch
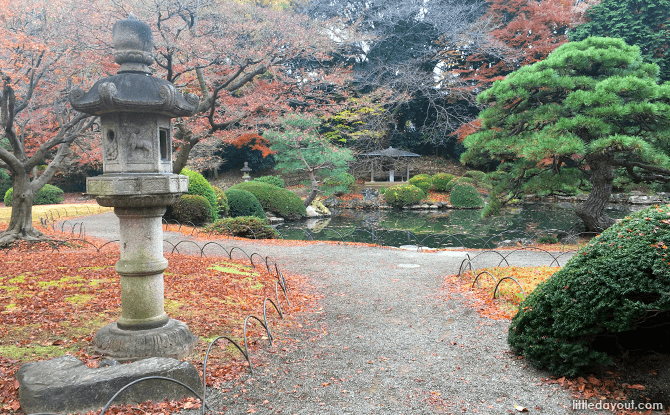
58 212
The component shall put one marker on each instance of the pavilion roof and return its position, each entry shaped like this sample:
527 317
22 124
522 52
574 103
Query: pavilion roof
390 152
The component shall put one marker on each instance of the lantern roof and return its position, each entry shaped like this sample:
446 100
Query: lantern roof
133 88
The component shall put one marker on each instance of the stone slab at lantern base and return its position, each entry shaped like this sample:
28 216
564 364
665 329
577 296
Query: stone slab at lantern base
172 340
66 385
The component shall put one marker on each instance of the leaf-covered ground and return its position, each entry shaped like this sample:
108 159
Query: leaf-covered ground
53 302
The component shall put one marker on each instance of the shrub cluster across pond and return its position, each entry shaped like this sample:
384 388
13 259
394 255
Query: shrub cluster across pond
612 298
244 227
403 195
243 203
464 196
47 195
274 199
441 180
422 181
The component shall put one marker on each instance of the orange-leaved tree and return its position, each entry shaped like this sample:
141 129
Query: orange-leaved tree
40 61
250 64
522 32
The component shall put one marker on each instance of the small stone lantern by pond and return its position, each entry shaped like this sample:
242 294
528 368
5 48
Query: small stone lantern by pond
245 172
135 110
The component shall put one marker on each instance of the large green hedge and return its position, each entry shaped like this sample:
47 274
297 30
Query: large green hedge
279 201
243 203
47 195
611 297
198 185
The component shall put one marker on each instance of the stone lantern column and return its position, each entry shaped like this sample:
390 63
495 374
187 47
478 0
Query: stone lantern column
135 112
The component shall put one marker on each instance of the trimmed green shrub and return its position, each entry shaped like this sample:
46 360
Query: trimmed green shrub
5 182
221 201
403 195
245 227
47 195
478 176
243 203
609 299
273 180
422 181
198 185
464 195
456 180
441 180
339 183
279 201
192 208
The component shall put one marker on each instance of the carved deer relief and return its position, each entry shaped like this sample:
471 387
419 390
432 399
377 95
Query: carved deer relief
137 144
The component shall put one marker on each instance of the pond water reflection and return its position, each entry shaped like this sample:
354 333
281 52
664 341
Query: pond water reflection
443 228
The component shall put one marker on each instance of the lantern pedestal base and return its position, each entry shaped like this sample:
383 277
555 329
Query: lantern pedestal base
173 340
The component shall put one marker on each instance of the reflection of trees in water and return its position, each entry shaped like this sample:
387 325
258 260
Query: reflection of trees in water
433 229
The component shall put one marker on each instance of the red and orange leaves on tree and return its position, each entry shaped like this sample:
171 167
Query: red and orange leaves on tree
529 29
254 141
525 32
245 61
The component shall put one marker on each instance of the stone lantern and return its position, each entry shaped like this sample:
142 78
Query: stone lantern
135 110
245 172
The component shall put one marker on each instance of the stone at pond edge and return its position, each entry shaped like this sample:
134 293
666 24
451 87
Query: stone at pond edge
66 385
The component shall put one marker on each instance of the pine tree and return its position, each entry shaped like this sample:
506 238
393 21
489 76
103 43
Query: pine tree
644 23
593 105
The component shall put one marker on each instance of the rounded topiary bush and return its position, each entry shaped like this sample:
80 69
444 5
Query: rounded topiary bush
47 195
245 227
192 208
243 203
221 201
279 201
611 298
441 180
422 181
456 180
465 196
273 180
403 195
198 185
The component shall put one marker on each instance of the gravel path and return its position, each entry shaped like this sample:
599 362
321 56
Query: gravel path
386 341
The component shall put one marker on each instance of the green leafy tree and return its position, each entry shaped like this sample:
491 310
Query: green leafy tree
644 23
594 105
298 147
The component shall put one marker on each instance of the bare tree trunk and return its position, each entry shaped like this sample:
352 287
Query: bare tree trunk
21 221
591 211
179 162
315 189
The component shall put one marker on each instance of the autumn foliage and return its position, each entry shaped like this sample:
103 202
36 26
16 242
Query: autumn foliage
53 302
527 31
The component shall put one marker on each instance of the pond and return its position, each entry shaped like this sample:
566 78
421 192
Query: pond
542 222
